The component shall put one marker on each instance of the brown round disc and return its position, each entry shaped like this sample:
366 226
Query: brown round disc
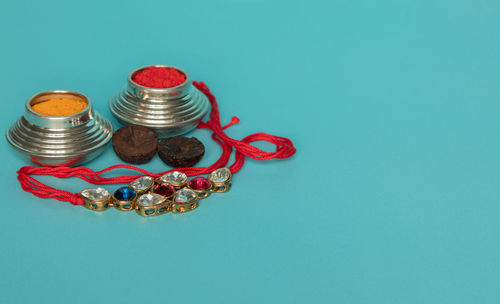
135 144
181 151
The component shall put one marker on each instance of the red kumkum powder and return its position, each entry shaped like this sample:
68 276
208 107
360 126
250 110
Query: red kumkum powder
159 77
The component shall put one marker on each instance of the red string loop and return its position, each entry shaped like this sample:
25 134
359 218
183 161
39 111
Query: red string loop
284 149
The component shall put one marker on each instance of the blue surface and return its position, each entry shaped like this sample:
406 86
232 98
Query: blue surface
392 196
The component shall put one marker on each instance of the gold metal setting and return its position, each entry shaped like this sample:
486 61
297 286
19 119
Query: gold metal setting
125 205
181 208
96 204
221 180
156 209
179 186
221 187
184 200
203 193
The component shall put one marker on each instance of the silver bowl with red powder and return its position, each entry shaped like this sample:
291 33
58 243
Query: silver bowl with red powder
59 140
168 111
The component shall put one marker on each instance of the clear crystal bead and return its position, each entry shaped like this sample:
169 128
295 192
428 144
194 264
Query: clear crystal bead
142 183
96 194
220 175
184 196
150 199
174 178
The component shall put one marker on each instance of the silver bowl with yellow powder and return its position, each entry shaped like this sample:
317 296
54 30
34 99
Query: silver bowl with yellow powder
169 111
59 128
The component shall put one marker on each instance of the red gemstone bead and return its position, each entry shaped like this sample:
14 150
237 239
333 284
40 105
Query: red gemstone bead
164 189
199 183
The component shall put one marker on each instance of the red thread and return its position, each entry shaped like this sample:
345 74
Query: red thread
284 149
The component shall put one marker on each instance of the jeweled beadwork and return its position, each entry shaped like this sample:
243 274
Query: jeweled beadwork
124 198
201 185
142 184
164 189
150 204
96 198
221 180
175 178
154 197
185 200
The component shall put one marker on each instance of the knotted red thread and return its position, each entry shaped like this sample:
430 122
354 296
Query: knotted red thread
284 149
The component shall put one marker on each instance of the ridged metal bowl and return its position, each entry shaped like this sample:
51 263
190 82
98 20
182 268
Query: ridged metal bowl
169 112
59 140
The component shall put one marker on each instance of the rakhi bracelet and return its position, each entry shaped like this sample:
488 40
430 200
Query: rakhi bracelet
150 196
154 194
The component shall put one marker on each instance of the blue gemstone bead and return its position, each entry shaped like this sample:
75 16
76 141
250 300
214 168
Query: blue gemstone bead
125 194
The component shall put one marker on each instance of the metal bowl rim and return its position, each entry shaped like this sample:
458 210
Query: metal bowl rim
33 112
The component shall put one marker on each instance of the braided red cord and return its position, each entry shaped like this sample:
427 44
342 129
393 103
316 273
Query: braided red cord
284 149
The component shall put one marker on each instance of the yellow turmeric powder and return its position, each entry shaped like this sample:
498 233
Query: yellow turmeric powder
59 106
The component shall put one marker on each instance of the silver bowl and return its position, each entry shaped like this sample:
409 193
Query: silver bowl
169 112
59 140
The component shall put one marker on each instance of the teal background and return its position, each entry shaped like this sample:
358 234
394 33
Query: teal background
392 196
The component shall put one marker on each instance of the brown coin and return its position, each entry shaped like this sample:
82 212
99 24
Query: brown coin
181 151
135 144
